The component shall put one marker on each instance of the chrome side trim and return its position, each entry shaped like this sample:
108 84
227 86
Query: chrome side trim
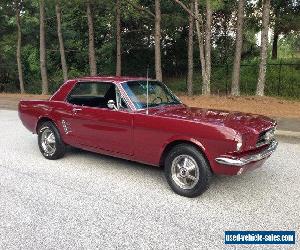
239 162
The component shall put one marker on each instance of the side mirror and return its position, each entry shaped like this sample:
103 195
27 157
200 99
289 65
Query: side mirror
111 104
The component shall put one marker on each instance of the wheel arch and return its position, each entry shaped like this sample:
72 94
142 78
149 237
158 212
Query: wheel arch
43 119
168 147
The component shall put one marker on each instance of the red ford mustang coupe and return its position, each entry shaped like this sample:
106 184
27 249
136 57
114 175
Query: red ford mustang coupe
141 120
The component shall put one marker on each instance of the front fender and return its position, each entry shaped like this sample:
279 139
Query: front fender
180 138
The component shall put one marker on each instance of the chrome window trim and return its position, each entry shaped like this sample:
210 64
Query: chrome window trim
118 87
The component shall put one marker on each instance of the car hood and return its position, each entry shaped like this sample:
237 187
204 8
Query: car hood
241 122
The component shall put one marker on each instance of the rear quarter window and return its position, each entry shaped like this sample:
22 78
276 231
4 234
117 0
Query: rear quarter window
92 94
90 89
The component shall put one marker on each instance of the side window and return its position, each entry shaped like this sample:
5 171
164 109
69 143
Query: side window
90 89
92 94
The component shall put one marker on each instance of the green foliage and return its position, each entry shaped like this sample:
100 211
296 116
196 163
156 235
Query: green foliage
138 43
282 79
289 46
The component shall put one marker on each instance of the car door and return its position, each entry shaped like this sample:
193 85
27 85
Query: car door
94 124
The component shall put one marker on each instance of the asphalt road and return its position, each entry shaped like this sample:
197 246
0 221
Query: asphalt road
88 201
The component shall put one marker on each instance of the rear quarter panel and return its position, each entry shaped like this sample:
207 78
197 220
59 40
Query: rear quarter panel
31 111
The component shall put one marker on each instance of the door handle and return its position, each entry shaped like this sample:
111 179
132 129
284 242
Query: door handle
75 110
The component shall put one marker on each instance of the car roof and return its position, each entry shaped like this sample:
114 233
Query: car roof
115 79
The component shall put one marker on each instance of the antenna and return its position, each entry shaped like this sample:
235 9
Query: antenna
147 110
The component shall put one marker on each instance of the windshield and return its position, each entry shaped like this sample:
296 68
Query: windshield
158 93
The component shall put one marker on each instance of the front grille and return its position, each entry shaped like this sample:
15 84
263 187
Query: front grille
265 137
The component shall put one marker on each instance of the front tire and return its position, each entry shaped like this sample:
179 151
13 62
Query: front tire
187 171
50 143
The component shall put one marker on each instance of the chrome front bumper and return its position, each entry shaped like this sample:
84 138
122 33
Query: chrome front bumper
240 162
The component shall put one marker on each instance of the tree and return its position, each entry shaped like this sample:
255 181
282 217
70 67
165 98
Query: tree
235 86
19 42
264 48
190 51
61 41
157 34
275 43
45 87
204 44
92 54
224 25
199 28
157 37
286 18
206 85
118 38
137 29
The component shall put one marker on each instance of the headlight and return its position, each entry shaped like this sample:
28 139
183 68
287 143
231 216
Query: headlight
238 146
239 140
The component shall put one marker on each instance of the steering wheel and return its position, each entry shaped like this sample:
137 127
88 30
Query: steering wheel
157 98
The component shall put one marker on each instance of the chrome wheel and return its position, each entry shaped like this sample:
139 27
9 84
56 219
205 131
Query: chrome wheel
48 142
185 171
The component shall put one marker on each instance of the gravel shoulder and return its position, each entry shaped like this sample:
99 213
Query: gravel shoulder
91 201
10 101
270 106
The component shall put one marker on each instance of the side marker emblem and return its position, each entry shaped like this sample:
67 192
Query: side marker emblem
66 126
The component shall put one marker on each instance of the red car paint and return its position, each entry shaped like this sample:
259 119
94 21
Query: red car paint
142 137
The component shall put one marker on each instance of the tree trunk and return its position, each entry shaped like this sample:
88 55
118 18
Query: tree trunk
264 48
235 86
204 47
275 44
61 41
45 88
206 86
199 24
19 34
190 52
92 57
118 38
157 37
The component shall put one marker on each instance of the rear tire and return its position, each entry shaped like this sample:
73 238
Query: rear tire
50 143
187 171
